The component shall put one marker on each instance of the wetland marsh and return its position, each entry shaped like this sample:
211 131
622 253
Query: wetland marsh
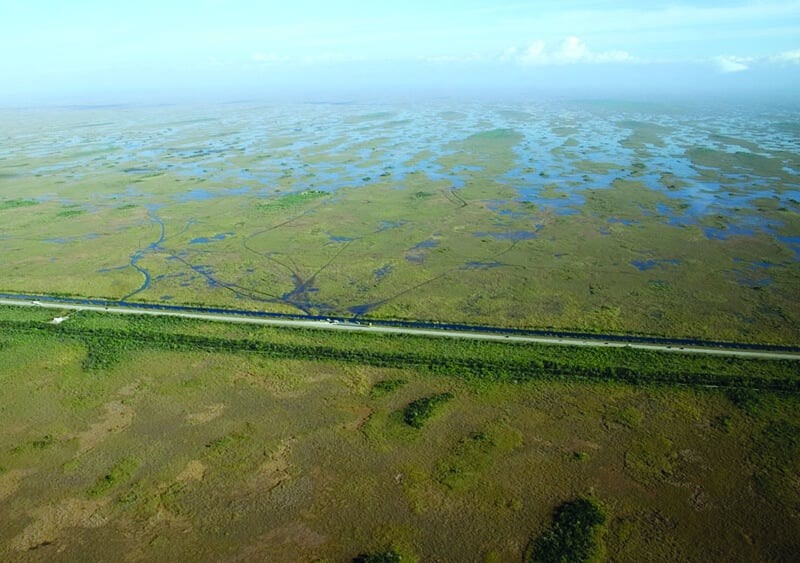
143 449
171 438
601 217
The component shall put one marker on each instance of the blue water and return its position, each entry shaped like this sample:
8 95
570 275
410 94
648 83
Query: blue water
215 238
205 195
758 264
626 222
381 272
386 225
713 233
152 210
430 243
754 282
793 242
663 209
644 265
482 265
68 240
511 235
419 252
115 269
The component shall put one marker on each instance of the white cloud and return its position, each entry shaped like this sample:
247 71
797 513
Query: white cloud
572 50
535 51
729 65
787 57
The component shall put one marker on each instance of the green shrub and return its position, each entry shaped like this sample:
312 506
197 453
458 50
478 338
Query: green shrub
386 386
389 556
103 353
580 456
118 473
290 201
574 536
418 412
630 417
745 399
70 212
41 444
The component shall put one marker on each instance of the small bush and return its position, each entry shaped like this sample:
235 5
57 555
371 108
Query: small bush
41 444
746 399
290 201
574 536
418 412
630 417
386 386
70 212
118 473
103 353
389 556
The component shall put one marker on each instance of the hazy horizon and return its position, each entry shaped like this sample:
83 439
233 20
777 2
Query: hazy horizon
144 52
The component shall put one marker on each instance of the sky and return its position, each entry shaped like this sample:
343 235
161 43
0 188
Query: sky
308 49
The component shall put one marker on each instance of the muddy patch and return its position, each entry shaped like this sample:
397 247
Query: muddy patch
194 471
362 414
288 380
51 521
207 415
293 542
9 481
118 417
273 472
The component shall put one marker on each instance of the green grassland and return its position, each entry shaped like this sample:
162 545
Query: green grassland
396 242
147 447
476 362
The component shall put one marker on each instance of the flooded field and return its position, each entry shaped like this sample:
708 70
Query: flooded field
665 220
174 455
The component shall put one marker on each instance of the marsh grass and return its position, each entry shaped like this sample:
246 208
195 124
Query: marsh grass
291 201
17 203
246 456
116 475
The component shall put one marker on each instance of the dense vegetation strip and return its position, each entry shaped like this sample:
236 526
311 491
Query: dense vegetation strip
108 339
15 203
